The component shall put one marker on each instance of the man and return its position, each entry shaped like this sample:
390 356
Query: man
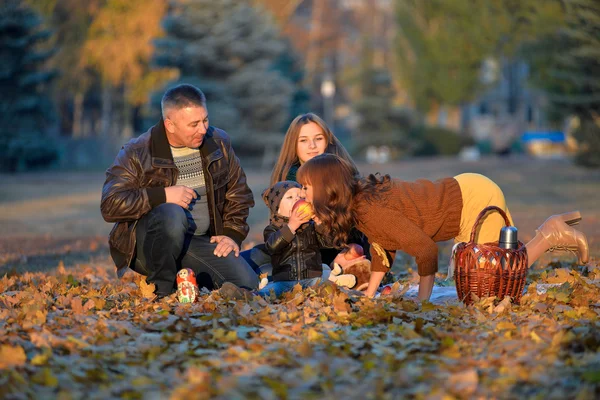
179 198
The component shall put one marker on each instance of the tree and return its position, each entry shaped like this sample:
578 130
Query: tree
119 47
70 21
568 70
381 122
26 111
227 48
441 45
289 65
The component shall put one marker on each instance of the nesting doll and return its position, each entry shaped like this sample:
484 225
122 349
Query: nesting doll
187 288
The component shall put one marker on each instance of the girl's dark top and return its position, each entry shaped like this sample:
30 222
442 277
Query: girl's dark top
291 175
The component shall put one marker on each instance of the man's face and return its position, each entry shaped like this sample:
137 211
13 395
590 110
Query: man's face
288 200
186 126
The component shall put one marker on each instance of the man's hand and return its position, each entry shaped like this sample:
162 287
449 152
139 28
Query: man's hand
180 195
225 245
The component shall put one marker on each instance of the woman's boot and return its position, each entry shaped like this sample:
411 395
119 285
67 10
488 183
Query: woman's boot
558 234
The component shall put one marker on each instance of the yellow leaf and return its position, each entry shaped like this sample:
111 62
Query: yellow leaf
99 303
119 356
11 356
42 358
334 335
45 377
147 289
505 325
231 336
308 372
142 381
218 333
536 338
427 306
313 335
78 342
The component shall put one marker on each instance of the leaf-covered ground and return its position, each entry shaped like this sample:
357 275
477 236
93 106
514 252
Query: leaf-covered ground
77 333
70 329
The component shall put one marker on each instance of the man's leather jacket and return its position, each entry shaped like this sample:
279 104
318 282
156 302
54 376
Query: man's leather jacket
144 167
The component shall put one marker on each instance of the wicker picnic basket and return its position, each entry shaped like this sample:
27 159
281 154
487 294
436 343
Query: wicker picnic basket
488 270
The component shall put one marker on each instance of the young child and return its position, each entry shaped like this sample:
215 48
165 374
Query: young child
293 242
413 216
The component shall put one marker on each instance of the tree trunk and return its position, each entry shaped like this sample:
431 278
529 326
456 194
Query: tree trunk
314 39
127 132
433 114
106 119
454 118
76 130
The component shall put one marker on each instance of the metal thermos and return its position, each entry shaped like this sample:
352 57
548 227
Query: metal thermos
508 240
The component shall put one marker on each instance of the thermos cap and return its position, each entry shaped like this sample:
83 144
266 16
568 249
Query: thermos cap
508 237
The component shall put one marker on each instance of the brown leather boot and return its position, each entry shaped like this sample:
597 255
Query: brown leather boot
559 235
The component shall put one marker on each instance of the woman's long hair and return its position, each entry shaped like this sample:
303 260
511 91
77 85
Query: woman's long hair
335 186
288 155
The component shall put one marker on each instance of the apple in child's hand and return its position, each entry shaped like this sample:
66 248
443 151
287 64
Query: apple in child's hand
354 251
304 208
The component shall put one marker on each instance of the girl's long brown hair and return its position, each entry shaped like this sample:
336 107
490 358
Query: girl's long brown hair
288 156
335 186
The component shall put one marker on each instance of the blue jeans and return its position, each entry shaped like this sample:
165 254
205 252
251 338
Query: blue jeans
165 245
258 258
281 287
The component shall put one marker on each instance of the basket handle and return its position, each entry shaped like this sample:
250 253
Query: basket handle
482 214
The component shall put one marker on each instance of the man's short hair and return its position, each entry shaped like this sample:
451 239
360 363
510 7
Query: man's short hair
182 96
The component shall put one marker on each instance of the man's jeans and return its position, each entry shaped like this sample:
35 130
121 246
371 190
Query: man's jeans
165 245
258 258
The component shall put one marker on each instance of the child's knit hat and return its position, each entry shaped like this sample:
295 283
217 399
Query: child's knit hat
272 197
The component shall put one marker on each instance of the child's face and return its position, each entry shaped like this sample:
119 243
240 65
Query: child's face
307 192
287 202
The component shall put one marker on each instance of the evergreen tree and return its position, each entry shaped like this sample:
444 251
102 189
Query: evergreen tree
26 112
381 122
289 65
569 71
227 48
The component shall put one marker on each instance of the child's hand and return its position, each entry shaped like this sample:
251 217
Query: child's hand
296 219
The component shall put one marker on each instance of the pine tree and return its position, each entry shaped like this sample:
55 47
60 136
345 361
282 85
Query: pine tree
289 64
26 112
227 48
570 71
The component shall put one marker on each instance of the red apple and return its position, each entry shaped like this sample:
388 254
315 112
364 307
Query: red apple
386 290
354 251
304 207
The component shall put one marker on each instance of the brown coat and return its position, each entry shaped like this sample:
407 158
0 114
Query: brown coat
412 217
144 167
